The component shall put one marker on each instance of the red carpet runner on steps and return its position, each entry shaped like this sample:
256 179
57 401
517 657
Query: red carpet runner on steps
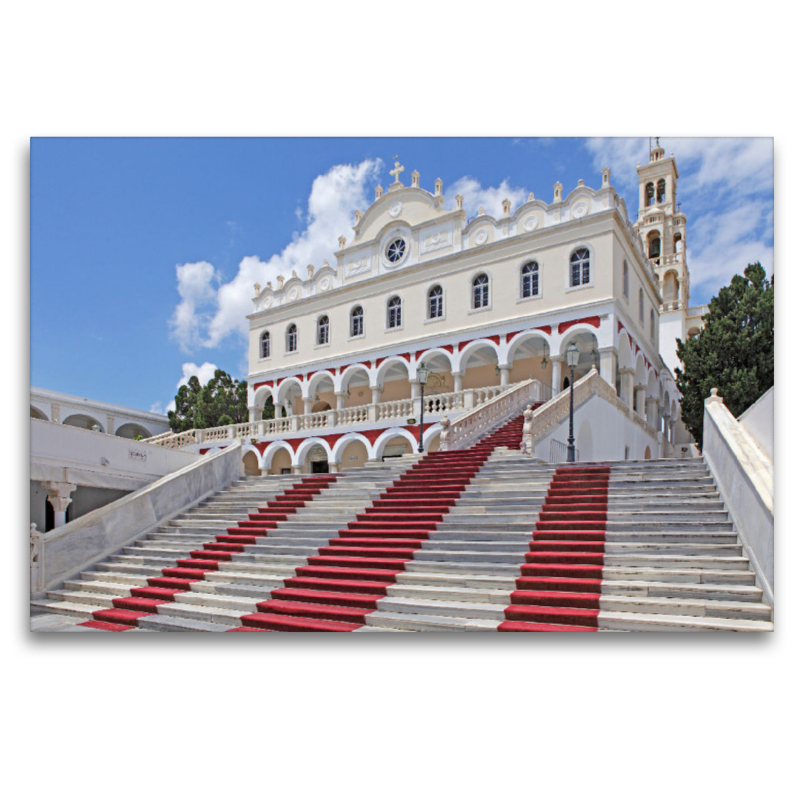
342 585
560 585
144 599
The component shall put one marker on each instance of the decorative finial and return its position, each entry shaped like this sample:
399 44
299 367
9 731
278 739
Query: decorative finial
557 187
530 196
257 288
378 192
437 190
459 202
580 182
358 215
415 179
342 242
506 208
310 269
481 211
606 175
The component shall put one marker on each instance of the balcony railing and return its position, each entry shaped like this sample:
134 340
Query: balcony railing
387 411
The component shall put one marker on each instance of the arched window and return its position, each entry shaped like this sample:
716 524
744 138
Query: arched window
530 279
435 302
323 330
661 191
652 324
291 338
357 321
641 306
625 279
654 247
394 313
580 272
265 344
649 194
480 291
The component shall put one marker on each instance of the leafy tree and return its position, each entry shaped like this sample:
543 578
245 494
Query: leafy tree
735 351
222 401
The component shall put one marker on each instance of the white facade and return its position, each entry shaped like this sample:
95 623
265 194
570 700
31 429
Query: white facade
485 304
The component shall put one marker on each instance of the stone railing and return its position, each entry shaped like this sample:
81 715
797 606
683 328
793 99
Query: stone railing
549 416
697 311
64 551
745 477
487 416
408 408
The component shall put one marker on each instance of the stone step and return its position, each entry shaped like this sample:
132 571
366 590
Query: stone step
609 620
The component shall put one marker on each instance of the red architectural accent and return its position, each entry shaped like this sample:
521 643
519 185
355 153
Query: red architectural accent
447 347
262 383
495 339
594 321
510 336
620 326
548 329
380 361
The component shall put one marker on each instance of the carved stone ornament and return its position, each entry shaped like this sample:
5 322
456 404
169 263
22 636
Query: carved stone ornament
395 210
294 293
530 223
481 237
324 284
579 210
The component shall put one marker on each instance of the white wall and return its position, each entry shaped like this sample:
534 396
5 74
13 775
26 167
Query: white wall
83 454
759 422
601 433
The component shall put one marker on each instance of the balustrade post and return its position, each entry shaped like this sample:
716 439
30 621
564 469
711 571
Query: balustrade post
372 412
341 399
231 431
457 381
376 394
253 413
330 418
469 399
199 436
307 404
294 423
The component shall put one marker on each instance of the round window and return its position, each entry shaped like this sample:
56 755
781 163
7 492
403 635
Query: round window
396 250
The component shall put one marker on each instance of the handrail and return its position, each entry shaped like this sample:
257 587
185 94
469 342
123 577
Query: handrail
475 424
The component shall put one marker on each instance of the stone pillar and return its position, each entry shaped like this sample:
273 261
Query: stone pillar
333 467
254 413
60 496
109 424
457 380
376 394
626 386
415 392
307 403
608 365
504 373
55 413
556 378
297 470
651 404
638 399
341 399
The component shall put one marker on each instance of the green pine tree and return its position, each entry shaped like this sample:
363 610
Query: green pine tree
735 351
222 401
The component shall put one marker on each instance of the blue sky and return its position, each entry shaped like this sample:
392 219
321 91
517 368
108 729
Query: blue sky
144 251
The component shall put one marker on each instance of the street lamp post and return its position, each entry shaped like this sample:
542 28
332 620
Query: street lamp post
422 378
573 354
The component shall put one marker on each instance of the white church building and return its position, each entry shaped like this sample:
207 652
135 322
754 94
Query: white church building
489 306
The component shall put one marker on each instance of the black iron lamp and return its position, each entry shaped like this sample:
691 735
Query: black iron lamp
422 379
573 354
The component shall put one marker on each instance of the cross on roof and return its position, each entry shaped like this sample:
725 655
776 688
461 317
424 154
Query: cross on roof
396 171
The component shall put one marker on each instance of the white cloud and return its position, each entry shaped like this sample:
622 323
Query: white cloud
205 372
196 288
726 191
210 310
490 198
157 408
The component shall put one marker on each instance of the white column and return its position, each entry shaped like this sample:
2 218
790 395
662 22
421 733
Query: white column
307 403
333 467
504 373
60 496
341 398
376 394
608 363
556 377
254 413
651 404
626 386
414 389
457 380
638 399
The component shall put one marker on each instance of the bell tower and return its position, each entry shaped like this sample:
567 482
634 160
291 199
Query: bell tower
662 226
